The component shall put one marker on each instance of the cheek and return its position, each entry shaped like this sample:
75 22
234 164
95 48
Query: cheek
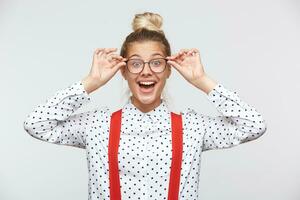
163 78
161 85
132 84
130 80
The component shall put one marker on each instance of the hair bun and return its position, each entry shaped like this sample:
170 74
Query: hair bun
147 20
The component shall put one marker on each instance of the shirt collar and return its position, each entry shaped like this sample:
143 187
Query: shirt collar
160 112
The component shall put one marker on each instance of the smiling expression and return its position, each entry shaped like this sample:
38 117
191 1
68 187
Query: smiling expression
146 99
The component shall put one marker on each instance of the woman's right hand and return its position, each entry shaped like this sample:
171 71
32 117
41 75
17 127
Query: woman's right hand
105 65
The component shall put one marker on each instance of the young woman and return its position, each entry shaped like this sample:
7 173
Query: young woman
144 150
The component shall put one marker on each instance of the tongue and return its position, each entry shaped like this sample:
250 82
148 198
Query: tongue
147 86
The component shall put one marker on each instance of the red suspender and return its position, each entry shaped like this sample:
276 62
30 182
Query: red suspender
176 123
113 145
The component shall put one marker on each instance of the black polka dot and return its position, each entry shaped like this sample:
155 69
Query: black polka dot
145 147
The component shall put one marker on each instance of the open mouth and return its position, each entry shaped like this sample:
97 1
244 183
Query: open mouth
146 86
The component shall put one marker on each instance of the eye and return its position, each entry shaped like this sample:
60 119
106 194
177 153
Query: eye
156 62
135 63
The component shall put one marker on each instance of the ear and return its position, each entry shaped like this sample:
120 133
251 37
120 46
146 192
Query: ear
123 73
169 71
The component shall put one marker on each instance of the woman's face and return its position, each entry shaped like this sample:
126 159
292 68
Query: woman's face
146 98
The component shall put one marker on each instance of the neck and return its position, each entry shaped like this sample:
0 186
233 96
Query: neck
145 107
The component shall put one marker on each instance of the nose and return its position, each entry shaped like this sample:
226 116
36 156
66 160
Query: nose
146 69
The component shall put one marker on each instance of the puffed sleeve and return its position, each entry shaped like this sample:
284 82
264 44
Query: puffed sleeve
238 123
54 121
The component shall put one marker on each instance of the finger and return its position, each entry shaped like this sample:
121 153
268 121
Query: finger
170 57
184 51
113 62
115 55
178 55
181 56
119 65
118 58
109 50
195 51
191 53
101 52
180 52
174 56
97 50
175 65
105 51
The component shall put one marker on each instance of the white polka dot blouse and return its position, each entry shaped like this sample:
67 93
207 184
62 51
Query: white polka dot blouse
145 144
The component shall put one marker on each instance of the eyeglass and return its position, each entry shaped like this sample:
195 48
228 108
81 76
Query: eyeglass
156 65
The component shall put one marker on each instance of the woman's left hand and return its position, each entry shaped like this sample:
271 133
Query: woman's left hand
187 62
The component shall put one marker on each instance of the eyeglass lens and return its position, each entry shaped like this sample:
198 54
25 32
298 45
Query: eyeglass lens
156 65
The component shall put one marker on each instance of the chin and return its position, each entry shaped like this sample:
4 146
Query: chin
146 99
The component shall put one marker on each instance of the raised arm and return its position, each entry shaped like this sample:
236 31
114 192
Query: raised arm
238 123
53 121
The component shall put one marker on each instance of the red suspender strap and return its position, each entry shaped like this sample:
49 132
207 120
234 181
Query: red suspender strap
176 124
113 145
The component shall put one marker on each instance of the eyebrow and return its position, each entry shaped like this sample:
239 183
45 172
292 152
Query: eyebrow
151 55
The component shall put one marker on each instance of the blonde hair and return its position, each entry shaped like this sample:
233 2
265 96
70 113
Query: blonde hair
146 27
148 20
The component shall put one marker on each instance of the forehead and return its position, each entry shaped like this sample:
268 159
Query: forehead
145 49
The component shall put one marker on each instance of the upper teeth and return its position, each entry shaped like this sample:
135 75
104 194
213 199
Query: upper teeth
146 83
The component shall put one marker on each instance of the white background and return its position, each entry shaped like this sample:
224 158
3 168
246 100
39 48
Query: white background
251 47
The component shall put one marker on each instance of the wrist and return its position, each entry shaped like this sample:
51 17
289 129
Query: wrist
90 84
205 83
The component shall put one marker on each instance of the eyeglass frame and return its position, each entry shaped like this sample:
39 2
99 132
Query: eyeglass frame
144 63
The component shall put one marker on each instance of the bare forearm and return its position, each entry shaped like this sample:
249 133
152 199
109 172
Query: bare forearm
90 84
206 84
